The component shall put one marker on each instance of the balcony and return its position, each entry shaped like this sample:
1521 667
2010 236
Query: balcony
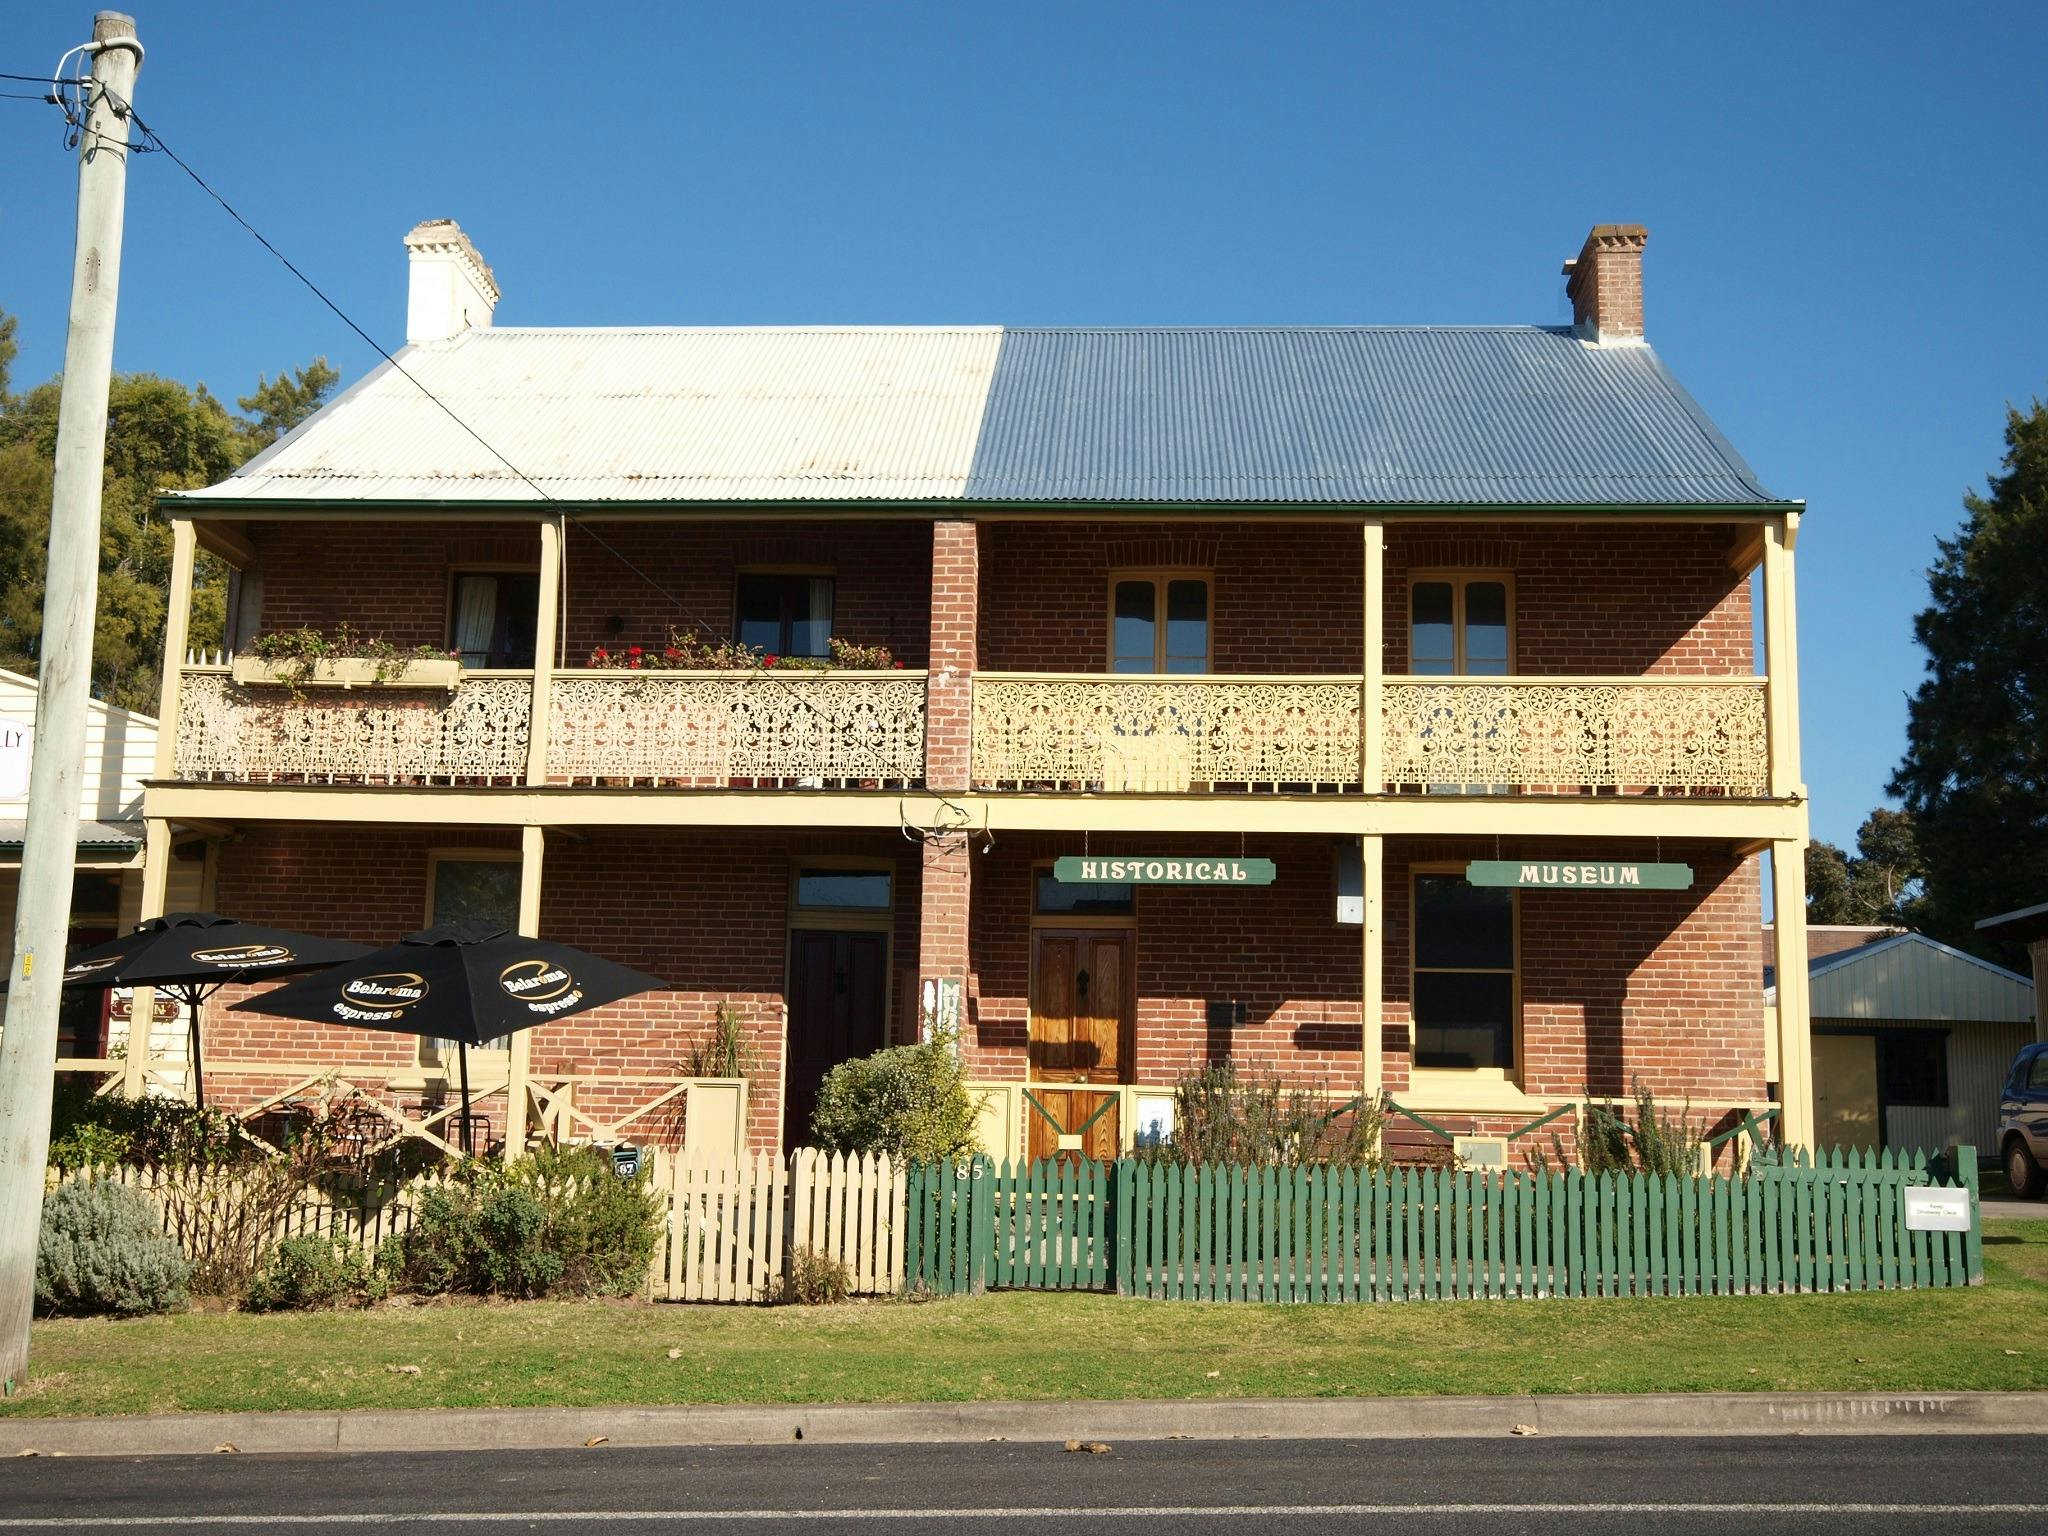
474 733
757 730
1531 735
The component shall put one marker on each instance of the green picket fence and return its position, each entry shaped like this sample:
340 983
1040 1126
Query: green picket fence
1836 1223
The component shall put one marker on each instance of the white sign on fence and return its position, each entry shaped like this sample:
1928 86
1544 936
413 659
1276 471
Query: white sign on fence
1937 1210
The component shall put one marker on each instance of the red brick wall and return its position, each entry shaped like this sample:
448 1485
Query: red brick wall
948 728
705 912
388 579
1661 984
881 593
1589 598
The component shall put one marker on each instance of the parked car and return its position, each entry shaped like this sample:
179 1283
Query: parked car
2023 1122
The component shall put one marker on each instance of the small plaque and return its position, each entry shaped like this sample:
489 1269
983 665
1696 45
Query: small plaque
1481 1151
1070 1142
1937 1210
626 1160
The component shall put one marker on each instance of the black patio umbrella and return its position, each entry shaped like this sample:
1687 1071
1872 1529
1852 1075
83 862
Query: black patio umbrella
192 955
466 982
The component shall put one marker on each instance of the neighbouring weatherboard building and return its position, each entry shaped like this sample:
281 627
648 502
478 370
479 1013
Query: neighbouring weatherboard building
1135 698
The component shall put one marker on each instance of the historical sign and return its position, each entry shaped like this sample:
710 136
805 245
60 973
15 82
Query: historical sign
15 743
1162 871
1579 874
1929 1209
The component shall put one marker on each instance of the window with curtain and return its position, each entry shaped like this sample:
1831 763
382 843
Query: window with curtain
494 616
1458 626
784 614
464 891
1159 623
1464 982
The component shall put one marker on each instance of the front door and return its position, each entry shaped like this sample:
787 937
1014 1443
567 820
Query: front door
838 1009
1845 1091
1082 1018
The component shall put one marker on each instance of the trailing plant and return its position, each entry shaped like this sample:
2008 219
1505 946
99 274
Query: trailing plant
1221 1116
910 1101
296 653
102 1249
1651 1140
686 651
815 1279
301 1273
722 1053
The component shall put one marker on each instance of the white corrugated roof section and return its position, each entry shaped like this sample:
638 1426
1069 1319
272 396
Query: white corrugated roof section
648 415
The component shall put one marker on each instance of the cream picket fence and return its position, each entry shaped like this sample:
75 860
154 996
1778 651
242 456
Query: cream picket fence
735 1225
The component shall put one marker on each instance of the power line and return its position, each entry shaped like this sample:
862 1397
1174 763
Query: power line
156 143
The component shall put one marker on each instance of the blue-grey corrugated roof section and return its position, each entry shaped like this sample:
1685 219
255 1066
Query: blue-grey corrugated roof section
1435 415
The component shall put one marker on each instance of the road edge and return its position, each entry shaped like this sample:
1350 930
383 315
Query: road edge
458 1429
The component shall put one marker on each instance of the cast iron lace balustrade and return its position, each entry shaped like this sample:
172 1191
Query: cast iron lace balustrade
716 729
475 733
1554 735
1120 734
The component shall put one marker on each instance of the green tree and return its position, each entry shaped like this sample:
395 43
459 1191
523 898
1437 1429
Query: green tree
161 435
1975 773
1881 882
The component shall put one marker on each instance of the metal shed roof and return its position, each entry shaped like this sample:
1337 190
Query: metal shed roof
1915 977
1282 415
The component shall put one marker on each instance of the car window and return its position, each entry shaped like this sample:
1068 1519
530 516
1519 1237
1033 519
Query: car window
2037 1073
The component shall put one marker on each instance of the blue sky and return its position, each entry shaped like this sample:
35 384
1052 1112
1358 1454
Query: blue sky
1845 265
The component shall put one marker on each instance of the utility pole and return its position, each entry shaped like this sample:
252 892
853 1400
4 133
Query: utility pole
28 1046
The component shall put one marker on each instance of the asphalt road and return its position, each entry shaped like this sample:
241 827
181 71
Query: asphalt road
1961 1485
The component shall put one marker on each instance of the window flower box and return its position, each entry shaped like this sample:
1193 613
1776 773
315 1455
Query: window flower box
350 672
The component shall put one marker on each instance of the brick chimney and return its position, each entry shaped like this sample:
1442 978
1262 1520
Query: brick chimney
448 287
1606 284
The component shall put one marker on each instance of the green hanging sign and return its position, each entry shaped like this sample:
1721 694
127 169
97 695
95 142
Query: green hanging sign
1162 871
1578 874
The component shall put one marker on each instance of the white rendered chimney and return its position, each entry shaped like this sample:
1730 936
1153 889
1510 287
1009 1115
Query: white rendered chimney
448 289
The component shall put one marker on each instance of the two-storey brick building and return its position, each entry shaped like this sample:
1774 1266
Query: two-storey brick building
1381 707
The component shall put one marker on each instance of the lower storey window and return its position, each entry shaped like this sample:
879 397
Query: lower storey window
1464 974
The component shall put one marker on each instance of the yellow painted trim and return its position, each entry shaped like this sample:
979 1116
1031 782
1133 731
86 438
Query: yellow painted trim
479 1058
1159 576
1479 1079
1458 578
1372 742
219 539
546 643
177 632
1372 880
1321 815
532 858
1477 1092
1795 1023
156 879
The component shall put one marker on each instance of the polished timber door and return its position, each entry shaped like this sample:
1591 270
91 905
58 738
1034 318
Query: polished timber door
838 1009
1081 1024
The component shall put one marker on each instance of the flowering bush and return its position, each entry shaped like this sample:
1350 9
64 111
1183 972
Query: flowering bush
686 652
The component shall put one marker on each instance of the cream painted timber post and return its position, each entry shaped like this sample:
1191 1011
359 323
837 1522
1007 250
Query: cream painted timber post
156 876
1795 1024
1372 697
1372 989
156 845
1781 645
532 849
546 628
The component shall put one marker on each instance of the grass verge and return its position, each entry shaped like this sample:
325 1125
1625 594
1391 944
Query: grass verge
1030 1345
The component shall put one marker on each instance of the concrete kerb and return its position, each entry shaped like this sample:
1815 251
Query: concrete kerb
1738 1413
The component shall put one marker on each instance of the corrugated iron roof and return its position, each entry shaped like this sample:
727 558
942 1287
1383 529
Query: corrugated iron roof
1910 976
652 415
1438 416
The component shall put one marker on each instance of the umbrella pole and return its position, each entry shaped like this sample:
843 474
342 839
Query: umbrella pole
462 1055
193 1001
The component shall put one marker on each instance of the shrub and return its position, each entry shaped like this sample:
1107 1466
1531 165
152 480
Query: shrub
815 1279
144 1133
910 1102
559 1222
102 1249
1654 1141
1221 1116
305 1272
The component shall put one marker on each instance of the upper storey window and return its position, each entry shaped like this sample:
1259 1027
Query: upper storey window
492 618
785 613
1158 622
1460 626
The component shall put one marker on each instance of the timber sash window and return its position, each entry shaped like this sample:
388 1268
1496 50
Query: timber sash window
1465 997
481 886
1159 622
491 618
782 613
1460 626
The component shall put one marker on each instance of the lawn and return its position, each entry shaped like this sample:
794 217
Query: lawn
1053 1346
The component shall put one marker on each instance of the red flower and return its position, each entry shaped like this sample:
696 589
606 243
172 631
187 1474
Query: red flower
899 666
632 650
770 660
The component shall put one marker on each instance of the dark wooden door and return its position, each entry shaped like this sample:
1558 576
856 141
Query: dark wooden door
1073 1123
838 1009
